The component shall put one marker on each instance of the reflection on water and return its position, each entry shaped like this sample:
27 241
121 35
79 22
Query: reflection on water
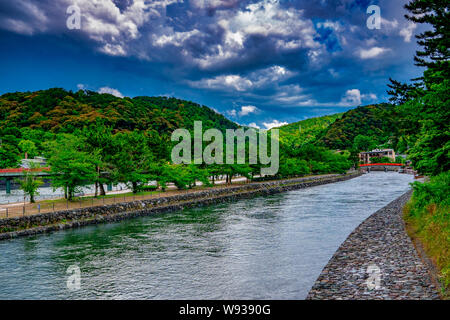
264 248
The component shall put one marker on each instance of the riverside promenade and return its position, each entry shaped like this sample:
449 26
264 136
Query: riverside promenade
377 261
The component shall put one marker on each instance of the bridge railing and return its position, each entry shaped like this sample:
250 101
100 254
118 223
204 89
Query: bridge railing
381 164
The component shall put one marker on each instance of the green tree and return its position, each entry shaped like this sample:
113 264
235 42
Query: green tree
98 140
435 52
30 182
402 92
435 42
28 148
9 156
363 143
132 159
430 152
71 168
291 167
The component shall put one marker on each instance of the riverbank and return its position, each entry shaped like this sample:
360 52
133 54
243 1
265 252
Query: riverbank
377 261
427 218
65 219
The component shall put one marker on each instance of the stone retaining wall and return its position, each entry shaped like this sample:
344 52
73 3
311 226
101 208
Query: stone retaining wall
377 261
52 221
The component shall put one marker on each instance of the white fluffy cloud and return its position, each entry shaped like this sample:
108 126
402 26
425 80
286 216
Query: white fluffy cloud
369 96
389 24
213 4
112 28
407 32
101 21
274 124
352 97
173 38
254 80
266 19
246 110
32 20
231 113
112 91
372 52
227 82
253 125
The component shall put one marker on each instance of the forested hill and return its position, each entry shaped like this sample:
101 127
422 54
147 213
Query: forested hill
377 122
306 130
374 123
58 110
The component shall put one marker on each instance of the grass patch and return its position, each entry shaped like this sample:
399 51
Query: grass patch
427 215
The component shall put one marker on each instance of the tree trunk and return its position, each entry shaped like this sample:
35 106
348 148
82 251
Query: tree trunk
32 198
70 194
97 182
134 187
102 189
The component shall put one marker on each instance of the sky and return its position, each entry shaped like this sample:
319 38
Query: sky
261 63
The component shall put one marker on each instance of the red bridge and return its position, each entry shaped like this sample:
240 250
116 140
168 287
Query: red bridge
381 164
380 167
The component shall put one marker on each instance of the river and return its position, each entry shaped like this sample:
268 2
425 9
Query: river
263 248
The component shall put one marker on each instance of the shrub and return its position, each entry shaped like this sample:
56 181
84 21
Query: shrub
428 213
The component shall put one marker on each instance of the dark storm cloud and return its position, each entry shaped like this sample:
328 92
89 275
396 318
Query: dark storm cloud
277 54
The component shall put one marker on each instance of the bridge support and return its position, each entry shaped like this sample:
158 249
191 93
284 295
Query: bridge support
8 186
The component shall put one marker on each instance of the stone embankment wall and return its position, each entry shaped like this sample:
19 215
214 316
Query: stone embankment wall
377 261
47 222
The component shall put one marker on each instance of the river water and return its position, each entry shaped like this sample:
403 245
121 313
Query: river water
263 248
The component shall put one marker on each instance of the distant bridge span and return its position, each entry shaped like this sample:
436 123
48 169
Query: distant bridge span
381 166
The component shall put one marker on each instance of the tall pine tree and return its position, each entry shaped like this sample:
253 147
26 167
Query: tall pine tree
434 55
435 42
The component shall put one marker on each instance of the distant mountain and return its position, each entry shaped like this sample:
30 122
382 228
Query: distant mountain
338 131
308 130
58 110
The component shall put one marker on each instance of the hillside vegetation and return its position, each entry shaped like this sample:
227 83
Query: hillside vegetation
57 110
373 121
306 131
